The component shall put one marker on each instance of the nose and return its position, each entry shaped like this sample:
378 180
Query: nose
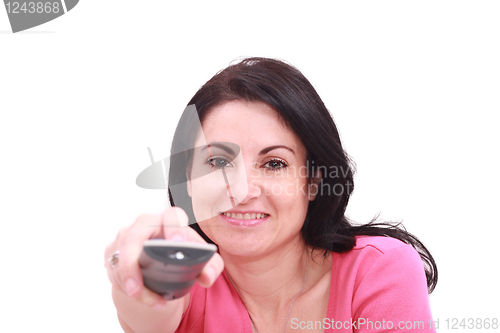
245 186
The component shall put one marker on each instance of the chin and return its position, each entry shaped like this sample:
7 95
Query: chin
235 240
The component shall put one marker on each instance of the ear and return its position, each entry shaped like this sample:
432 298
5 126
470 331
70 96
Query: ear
313 187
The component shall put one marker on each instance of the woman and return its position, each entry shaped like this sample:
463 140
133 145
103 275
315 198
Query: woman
289 260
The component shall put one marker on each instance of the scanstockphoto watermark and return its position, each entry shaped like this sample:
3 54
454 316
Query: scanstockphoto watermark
361 323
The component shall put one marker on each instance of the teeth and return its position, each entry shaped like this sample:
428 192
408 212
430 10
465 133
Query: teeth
247 216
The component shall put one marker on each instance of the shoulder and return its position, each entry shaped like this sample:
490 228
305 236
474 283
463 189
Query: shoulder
381 277
382 261
370 249
379 243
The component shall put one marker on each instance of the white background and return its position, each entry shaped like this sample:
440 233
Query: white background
414 89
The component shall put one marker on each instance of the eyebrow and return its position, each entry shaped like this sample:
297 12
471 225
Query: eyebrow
219 145
268 149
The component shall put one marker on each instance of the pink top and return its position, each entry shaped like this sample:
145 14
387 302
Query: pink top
378 286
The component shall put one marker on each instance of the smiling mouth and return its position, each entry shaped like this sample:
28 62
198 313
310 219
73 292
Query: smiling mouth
246 216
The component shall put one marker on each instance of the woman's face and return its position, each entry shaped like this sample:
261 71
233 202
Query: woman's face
249 184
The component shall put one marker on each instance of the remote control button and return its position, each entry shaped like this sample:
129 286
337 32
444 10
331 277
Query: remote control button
178 255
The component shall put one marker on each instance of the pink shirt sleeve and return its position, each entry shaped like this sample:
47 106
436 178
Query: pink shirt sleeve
379 286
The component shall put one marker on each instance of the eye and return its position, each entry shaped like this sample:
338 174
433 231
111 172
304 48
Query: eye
275 164
218 163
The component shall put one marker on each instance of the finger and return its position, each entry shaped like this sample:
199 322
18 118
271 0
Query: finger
108 267
130 244
175 226
110 250
146 297
151 299
211 271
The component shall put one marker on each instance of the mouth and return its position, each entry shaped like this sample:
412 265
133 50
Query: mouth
245 216
244 219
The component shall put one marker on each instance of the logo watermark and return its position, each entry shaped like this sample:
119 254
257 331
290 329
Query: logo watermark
361 323
410 325
25 15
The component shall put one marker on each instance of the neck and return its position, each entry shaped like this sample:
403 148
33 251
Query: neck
267 284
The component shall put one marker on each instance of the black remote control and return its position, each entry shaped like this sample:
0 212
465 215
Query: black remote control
170 268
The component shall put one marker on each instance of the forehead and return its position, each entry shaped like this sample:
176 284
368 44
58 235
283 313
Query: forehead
244 111
247 124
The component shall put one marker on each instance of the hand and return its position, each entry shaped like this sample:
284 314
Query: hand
126 276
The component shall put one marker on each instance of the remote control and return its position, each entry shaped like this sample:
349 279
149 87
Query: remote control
170 268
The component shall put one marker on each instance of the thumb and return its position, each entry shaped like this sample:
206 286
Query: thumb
175 226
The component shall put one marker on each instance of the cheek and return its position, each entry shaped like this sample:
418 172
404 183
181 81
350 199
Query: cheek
209 196
289 197
289 189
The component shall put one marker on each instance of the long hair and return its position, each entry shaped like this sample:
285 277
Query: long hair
283 87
